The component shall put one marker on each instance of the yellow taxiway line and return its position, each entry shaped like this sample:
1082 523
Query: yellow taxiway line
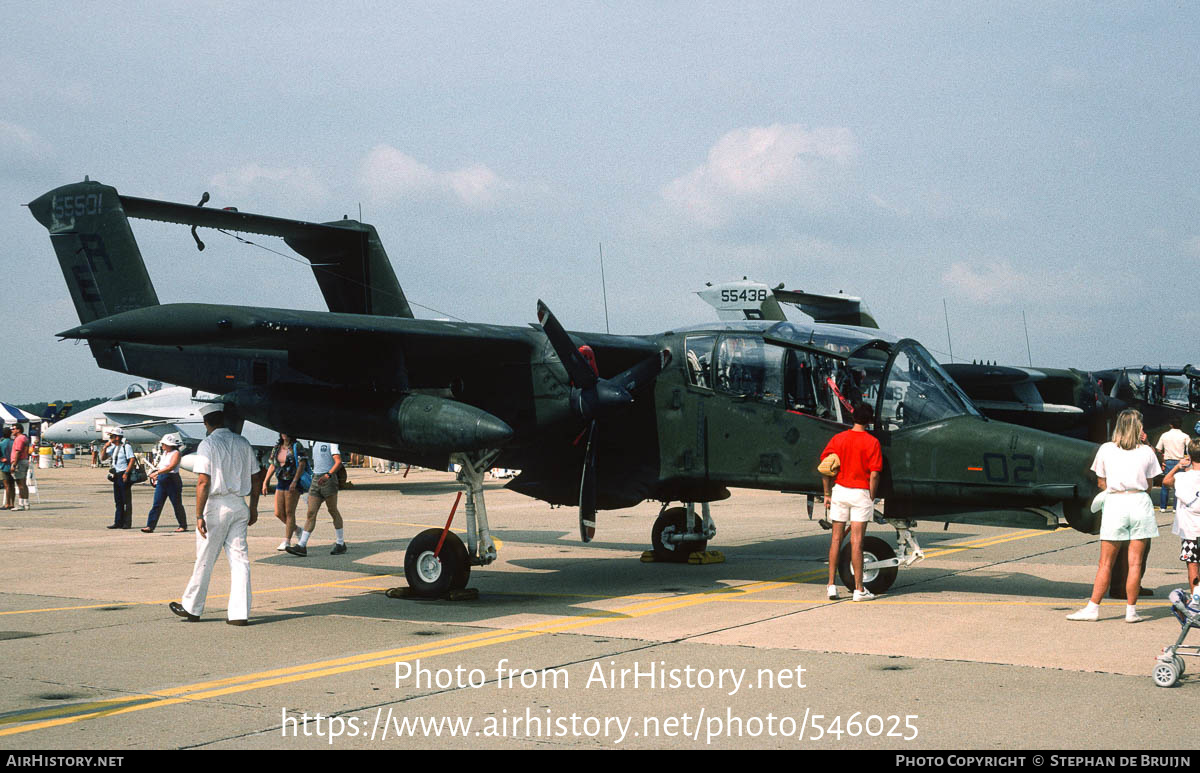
642 607
330 584
292 674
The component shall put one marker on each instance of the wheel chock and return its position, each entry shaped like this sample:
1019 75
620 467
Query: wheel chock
698 557
405 592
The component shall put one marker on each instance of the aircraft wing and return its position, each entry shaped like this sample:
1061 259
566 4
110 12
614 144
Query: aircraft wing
1003 405
972 374
1015 389
202 324
329 338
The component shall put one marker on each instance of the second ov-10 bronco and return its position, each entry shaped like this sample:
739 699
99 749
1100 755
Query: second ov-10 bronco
592 420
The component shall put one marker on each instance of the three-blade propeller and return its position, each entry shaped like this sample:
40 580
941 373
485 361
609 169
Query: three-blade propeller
593 398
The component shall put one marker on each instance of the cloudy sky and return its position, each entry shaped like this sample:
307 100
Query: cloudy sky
1003 157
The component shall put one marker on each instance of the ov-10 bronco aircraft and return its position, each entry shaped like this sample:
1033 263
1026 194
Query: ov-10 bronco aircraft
592 420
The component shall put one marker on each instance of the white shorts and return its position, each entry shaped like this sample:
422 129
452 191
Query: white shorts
851 504
1128 516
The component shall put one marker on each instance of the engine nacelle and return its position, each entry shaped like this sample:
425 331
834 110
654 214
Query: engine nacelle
413 422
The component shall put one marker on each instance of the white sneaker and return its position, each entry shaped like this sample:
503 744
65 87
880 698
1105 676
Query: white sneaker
283 545
863 595
1135 618
831 592
1085 614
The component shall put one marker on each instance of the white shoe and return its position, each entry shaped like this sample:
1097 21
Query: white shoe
831 592
283 545
1135 618
863 595
1085 614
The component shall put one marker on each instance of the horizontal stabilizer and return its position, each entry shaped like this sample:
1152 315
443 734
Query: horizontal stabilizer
835 309
226 219
347 257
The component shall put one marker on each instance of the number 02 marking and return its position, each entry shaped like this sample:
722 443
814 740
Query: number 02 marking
996 468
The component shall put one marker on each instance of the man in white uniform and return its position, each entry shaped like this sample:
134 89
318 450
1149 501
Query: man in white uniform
227 470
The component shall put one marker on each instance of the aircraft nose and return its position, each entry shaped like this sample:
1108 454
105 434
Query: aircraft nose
1072 460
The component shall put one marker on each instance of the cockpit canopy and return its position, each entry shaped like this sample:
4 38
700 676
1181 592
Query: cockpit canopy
131 392
824 371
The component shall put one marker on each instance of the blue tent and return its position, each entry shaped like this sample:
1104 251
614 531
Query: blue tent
11 414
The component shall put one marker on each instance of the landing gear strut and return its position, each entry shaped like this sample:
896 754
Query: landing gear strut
678 532
880 562
436 560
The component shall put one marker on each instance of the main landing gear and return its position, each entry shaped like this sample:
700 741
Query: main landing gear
880 562
437 561
678 532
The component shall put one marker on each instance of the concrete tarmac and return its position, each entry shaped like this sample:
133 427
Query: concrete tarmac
569 645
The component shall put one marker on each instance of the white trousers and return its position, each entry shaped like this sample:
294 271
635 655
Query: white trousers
226 519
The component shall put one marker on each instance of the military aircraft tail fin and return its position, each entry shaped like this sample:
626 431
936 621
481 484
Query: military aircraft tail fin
352 269
99 257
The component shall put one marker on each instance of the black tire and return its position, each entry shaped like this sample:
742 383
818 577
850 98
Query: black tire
874 580
673 521
462 574
430 575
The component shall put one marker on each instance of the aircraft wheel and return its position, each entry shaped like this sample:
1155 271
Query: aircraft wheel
433 575
874 580
1165 674
462 575
673 521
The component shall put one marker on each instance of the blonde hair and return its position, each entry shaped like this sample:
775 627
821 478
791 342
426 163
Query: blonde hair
1127 433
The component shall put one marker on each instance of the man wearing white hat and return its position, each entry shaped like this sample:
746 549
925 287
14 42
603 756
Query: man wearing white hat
227 471
119 455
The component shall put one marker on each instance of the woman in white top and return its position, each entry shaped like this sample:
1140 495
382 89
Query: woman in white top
167 484
1124 469
1186 480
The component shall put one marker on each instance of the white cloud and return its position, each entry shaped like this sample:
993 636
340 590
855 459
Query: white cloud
389 174
254 179
22 149
764 166
995 283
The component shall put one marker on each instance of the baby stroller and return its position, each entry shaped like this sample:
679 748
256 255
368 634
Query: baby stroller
1169 666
